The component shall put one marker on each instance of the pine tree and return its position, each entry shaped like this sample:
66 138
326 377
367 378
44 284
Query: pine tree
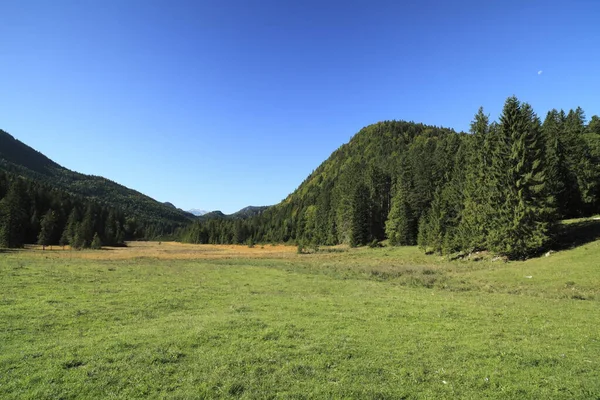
64 238
361 216
558 175
401 225
71 234
85 231
380 187
96 243
13 217
432 226
478 186
594 125
524 207
47 226
581 161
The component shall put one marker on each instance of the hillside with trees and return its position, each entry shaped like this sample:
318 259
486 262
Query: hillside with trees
42 202
502 187
20 159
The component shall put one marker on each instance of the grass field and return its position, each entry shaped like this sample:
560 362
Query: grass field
187 322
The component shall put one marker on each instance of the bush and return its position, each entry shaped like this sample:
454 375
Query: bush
96 243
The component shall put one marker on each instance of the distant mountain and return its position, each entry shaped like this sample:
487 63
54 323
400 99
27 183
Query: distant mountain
197 212
249 211
213 215
18 158
244 213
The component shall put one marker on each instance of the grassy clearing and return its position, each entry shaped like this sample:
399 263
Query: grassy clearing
183 321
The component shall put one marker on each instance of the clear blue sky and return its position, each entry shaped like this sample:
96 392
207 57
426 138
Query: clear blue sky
224 104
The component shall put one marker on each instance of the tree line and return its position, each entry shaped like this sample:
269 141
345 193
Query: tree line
34 212
502 187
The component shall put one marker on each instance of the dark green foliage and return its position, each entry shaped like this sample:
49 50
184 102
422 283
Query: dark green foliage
522 203
31 185
96 242
62 221
594 125
472 228
401 225
574 168
323 209
361 216
380 200
20 159
500 188
13 216
47 229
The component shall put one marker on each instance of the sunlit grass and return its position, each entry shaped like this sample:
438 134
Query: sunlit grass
185 321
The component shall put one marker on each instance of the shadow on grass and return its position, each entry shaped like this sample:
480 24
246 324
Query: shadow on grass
576 234
7 251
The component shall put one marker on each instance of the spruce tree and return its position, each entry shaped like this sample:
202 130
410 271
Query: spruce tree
402 222
558 176
13 217
524 207
594 125
96 243
432 226
47 226
475 216
401 225
361 216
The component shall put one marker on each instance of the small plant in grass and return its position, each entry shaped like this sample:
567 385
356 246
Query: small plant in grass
315 247
375 244
96 243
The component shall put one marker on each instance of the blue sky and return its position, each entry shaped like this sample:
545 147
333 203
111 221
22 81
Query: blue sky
224 104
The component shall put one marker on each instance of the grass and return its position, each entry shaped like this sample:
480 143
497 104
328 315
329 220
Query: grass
192 322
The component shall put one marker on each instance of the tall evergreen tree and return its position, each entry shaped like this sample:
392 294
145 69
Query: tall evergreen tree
47 227
474 219
401 225
13 217
524 207
361 216
559 181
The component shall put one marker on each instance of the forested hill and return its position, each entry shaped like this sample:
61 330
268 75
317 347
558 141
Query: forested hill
356 184
20 159
319 211
244 213
503 187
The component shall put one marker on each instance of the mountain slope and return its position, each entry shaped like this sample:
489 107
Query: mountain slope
17 157
244 213
501 188
360 178
197 212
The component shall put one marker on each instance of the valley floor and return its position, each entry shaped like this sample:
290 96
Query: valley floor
182 321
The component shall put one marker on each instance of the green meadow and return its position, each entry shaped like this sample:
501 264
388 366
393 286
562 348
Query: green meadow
195 321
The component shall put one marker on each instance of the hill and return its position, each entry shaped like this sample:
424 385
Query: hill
502 188
365 173
197 212
319 210
18 158
244 213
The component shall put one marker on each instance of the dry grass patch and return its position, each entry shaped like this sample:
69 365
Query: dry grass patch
164 251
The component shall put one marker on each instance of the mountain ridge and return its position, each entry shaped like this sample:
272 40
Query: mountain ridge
21 159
